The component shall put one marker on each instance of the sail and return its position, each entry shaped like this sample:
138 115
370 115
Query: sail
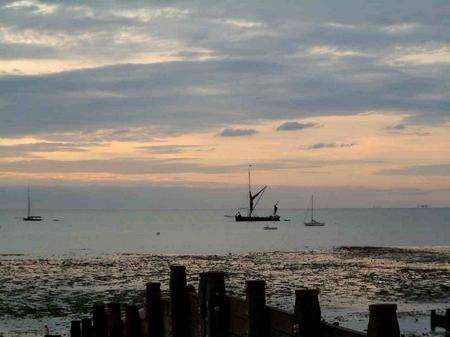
253 197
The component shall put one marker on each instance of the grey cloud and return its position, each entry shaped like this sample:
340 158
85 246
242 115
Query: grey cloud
442 170
319 146
169 149
402 129
237 132
290 126
258 69
27 149
399 127
142 166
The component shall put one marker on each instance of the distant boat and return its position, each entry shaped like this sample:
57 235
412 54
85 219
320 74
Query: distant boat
312 221
270 228
30 217
253 202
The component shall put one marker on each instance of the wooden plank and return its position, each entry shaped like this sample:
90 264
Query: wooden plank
237 306
276 333
193 310
331 330
238 326
167 319
281 322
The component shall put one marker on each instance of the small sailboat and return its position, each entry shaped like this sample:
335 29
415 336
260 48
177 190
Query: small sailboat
312 221
30 217
253 202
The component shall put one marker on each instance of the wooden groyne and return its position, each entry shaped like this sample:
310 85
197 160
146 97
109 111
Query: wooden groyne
210 312
440 321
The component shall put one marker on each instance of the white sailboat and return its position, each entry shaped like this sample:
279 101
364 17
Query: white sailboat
312 221
30 217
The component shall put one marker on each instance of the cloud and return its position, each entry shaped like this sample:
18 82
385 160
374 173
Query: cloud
28 149
399 127
439 170
144 166
36 7
402 129
237 132
319 146
290 126
169 149
268 63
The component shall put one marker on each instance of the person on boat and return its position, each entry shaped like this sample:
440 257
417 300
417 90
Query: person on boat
275 208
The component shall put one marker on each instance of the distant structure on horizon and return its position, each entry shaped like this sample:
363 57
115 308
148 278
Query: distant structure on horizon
422 206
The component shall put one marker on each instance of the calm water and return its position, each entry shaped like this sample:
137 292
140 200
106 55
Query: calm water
204 232
53 271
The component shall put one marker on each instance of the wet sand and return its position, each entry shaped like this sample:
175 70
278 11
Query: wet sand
36 291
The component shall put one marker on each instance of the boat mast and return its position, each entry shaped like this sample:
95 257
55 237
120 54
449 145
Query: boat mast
312 208
29 203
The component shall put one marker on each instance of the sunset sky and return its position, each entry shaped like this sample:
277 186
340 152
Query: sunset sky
164 104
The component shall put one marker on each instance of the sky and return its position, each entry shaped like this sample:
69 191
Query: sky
164 104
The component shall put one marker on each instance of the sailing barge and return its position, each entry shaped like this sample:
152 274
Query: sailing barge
253 202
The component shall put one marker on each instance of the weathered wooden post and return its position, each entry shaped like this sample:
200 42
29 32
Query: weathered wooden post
75 329
99 320
132 321
212 304
433 320
114 320
177 299
202 302
255 291
447 321
383 321
86 327
307 313
153 308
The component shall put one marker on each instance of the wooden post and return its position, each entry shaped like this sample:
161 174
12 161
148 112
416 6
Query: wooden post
132 321
99 320
86 327
154 311
433 320
383 321
255 291
75 329
177 299
114 320
202 302
212 304
307 313
447 321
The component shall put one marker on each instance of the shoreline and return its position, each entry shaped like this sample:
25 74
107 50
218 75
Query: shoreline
350 278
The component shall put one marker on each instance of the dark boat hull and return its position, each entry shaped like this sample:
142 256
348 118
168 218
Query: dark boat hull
32 218
314 224
241 218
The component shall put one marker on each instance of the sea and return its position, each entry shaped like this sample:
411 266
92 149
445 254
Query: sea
53 271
